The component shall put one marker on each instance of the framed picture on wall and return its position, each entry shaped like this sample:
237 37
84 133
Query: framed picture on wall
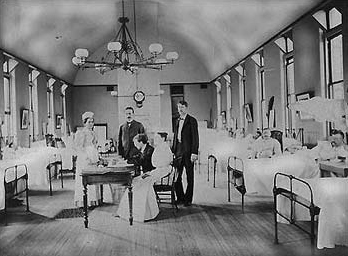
24 119
58 121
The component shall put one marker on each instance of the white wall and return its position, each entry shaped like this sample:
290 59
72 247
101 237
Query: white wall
100 102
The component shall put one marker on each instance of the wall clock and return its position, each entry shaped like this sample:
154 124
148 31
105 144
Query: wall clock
139 97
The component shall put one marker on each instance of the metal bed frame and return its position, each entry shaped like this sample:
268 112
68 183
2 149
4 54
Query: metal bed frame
212 159
294 199
55 163
234 173
11 187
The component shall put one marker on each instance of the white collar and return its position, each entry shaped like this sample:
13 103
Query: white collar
183 118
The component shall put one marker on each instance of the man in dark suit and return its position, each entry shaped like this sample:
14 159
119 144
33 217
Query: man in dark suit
126 134
142 159
185 148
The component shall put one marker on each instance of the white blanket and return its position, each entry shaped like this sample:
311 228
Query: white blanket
259 173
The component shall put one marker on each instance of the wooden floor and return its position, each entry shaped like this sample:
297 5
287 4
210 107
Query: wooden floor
211 226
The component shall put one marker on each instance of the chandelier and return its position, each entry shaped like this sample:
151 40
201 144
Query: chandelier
124 52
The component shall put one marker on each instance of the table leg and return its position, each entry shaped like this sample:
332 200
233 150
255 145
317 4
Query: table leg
101 194
85 206
130 198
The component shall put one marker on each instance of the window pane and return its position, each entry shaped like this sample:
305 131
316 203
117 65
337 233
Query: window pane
336 58
290 78
289 44
7 94
338 91
335 18
262 61
263 91
5 67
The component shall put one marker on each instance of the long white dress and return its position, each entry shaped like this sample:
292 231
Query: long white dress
85 145
145 205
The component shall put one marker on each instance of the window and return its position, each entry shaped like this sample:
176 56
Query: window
8 125
335 18
242 98
286 45
261 117
262 93
333 57
63 98
290 93
50 106
33 105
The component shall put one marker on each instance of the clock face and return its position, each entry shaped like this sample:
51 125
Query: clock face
139 96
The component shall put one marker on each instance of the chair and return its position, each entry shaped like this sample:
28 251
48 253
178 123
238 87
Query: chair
278 135
212 161
235 170
72 170
165 189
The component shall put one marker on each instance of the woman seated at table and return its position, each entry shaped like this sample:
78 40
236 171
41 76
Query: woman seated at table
142 159
265 146
144 198
87 154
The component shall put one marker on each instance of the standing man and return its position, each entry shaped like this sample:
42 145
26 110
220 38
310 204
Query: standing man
126 134
185 147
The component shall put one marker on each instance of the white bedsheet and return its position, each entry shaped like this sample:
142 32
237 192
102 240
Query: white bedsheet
259 173
331 195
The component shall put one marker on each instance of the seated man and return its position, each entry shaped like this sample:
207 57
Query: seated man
266 147
143 157
338 145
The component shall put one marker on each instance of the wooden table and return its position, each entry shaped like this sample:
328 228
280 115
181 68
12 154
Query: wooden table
340 168
118 174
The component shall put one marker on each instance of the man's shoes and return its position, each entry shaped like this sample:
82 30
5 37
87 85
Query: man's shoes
187 204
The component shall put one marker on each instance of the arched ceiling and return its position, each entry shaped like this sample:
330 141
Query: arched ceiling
219 32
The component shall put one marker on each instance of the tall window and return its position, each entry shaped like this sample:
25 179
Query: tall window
9 126
50 106
33 105
63 98
242 81
286 45
334 56
261 93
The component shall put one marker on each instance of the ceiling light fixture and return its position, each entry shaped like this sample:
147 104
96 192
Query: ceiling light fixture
124 52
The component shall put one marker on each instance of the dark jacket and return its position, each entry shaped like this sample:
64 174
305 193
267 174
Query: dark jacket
126 134
189 136
143 160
